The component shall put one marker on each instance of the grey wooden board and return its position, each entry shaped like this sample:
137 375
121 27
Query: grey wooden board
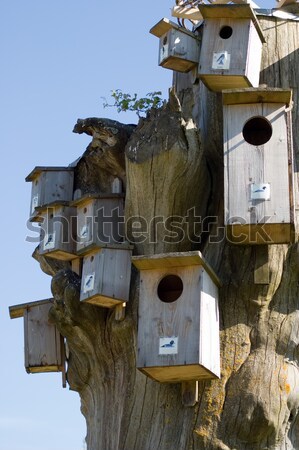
59 224
38 169
245 164
181 319
100 222
111 271
244 48
43 351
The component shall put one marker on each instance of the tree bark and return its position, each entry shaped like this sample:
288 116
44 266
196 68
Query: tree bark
174 169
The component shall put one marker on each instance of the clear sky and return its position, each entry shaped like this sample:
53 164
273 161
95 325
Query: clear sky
58 59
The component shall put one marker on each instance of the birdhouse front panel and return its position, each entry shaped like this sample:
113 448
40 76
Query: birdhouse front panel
178 47
58 232
231 47
50 184
178 326
106 277
258 198
100 221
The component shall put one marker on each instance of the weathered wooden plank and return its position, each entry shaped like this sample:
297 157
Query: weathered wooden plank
261 267
185 12
182 259
256 95
39 169
17 311
162 27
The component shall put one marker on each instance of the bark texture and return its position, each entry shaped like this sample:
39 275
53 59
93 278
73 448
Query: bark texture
174 165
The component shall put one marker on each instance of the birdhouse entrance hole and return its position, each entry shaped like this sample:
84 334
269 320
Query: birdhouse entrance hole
170 288
226 32
257 131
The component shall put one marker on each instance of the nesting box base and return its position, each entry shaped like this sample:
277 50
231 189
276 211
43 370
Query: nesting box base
61 255
176 374
259 234
103 301
218 82
44 369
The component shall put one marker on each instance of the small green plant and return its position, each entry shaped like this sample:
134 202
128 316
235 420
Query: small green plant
126 102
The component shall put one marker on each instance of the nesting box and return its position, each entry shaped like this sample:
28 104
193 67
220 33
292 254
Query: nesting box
231 47
106 277
58 231
100 221
178 326
44 345
178 48
50 184
258 166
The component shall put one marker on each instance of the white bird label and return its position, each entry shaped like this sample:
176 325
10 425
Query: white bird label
168 345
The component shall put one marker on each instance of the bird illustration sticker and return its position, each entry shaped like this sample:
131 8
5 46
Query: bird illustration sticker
34 203
84 232
168 346
260 191
221 61
88 284
49 241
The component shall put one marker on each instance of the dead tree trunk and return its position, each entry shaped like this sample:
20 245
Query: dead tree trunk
174 165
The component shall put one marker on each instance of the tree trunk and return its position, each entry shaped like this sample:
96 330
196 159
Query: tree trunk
174 170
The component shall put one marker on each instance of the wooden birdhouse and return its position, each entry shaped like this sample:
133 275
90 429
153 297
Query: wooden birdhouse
258 166
50 184
178 326
106 276
231 47
100 221
58 231
178 49
44 345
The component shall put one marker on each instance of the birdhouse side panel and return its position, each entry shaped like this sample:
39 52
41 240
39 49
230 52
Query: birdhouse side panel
209 326
56 186
168 332
254 56
43 350
226 56
85 224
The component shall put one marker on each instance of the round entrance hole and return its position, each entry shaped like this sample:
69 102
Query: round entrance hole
257 131
226 32
170 288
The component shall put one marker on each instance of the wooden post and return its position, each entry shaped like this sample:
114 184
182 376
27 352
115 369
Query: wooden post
189 393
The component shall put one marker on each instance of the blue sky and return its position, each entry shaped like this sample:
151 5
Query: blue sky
58 59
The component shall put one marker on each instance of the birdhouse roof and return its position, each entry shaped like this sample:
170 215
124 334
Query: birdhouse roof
256 95
239 11
89 197
168 260
39 169
17 311
164 25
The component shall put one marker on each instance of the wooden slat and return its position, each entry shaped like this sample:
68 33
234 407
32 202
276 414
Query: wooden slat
256 95
38 169
17 311
183 259
183 12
